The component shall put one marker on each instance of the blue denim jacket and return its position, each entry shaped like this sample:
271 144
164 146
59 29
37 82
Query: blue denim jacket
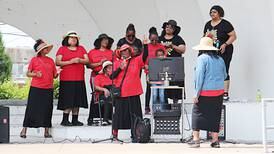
210 74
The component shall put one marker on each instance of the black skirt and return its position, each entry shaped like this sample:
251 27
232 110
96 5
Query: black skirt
125 109
39 108
72 94
206 114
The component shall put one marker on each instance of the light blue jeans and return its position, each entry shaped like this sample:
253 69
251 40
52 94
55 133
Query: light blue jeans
158 97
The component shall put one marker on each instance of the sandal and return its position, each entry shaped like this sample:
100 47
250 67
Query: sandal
215 144
194 144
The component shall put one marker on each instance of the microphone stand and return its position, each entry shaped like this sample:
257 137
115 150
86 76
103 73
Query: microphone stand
111 138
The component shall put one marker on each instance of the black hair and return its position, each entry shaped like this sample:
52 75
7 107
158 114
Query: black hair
37 43
219 9
152 31
65 41
105 69
211 53
130 27
159 50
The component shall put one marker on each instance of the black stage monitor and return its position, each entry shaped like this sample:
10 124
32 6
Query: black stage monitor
171 66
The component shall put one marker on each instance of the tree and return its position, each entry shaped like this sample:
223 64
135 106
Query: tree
5 62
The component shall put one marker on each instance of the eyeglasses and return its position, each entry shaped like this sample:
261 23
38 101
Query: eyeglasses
213 12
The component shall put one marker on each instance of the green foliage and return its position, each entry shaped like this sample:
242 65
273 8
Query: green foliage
56 89
9 90
5 63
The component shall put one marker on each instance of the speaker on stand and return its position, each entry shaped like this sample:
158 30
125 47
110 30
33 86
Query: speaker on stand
4 125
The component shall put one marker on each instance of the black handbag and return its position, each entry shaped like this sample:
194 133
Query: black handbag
116 91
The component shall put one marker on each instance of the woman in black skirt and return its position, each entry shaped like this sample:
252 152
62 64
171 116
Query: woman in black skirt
224 35
40 100
210 73
126 76
175 47
72 92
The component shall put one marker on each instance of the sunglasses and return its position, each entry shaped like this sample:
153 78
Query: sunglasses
154 40
130 35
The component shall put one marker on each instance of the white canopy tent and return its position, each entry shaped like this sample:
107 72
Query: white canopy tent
253 21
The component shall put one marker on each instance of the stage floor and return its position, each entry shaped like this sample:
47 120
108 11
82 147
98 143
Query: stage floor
127 148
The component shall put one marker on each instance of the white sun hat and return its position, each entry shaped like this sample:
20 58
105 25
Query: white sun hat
206 43
105 64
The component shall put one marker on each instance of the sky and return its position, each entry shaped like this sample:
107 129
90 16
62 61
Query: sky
15 38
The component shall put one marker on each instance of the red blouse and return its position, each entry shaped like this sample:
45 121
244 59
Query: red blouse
152 52
47 67
102 80
72 72
96 55
132 83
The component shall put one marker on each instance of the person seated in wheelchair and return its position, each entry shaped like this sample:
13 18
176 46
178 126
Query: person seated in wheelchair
102 83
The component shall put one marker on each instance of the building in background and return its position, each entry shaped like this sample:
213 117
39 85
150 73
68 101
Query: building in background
20 58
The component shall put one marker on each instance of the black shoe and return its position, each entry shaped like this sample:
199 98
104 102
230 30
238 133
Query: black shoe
194 144
215 144
93 123
77 123
225 97
104 123
23 135
47 135
66 123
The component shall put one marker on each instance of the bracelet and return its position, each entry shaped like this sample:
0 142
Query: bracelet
226 43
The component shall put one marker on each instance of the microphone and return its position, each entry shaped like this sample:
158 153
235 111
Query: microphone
124 58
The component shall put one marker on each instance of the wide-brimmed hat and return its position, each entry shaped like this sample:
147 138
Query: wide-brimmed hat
105 64
72 34
124 47
97 42
206 43
42 45
173 23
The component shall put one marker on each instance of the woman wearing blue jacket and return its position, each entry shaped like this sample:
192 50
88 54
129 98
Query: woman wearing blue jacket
210 73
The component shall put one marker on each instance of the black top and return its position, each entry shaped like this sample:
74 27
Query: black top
176 40
219 31
137 44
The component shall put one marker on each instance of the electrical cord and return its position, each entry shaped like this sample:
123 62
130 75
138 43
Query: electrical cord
44 141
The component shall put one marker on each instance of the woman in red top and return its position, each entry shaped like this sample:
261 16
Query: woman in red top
40 100
128 105
102 85
152 47
97 56
72 92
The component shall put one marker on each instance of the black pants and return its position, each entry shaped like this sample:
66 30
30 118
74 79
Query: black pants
92 112
227 57
148 94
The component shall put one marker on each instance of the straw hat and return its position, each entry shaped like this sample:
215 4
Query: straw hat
124 47
42 45
206 43
105 64
72 34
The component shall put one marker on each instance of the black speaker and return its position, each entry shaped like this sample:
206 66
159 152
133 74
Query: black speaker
4 125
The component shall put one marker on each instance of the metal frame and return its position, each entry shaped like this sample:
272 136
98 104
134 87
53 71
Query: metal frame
265 127
182 106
